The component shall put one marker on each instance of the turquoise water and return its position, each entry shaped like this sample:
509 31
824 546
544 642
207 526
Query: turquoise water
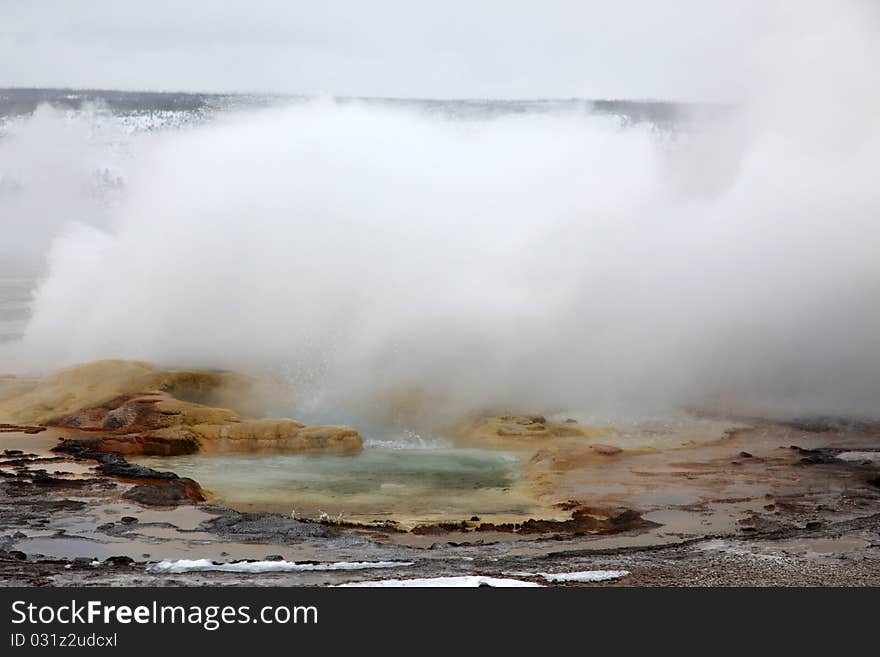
377 483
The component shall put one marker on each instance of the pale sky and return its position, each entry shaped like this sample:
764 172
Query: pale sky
681 49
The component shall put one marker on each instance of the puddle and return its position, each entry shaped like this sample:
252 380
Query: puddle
39 443
75 547
171 533
182 517
72 547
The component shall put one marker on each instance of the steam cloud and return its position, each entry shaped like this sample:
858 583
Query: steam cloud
50 174
383 260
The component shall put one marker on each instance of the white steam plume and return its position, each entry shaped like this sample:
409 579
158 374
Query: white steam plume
54 168
382 257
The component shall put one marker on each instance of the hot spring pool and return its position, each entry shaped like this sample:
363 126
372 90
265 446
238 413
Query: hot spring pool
378 483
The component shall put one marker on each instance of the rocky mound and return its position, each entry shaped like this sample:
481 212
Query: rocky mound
138 409
513 431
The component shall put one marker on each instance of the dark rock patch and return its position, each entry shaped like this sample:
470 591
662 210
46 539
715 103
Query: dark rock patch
109 463
820 455
119 560
41 478
583 521
265 527
167 493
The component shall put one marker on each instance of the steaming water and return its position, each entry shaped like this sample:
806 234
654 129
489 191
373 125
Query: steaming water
442 483
397 264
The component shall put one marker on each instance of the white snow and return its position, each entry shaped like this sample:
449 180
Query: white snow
578 576
585 576
859 456
447 582
483 580
196 565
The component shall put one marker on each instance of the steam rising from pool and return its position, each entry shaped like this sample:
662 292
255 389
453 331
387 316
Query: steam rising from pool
388 262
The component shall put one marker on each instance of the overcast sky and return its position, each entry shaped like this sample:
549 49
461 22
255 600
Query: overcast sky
681 49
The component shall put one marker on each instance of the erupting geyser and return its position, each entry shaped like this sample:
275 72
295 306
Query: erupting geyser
393 262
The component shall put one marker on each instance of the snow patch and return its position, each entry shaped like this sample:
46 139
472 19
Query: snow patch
577 576
859 456
199 565
464 581
585 576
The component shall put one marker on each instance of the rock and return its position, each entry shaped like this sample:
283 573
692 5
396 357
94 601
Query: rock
584 520
274 430
110 462
627 517
170 493
128 520
141 410
41 478
606 450
437 529
273 557
745 455
818 455
289 435
121 560
502 430
265 528
85 394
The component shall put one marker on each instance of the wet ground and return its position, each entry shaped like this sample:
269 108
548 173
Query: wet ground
759 504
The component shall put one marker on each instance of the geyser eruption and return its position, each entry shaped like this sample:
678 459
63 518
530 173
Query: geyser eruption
389 262
55 167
